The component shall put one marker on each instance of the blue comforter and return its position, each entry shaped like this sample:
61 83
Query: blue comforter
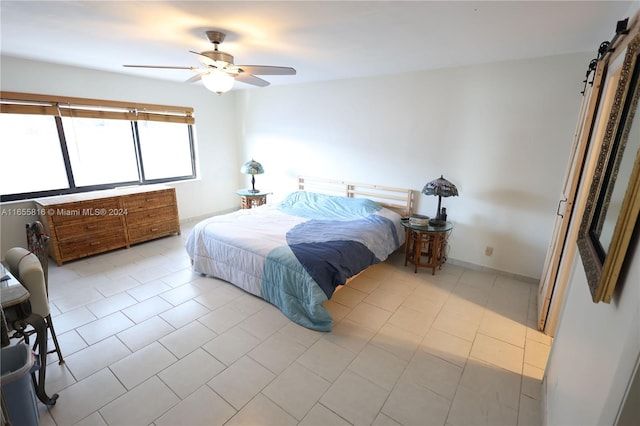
342 237
294 254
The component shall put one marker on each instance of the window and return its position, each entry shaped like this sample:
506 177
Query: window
101 151
165 149
67 145
31 156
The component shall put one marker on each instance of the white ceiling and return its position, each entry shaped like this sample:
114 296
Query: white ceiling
323 40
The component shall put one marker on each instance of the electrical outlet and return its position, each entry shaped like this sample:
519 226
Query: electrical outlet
488 251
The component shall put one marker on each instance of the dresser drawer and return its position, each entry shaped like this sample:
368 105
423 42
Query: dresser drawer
144 232
92 244
68 212
149 200
84 228
161 214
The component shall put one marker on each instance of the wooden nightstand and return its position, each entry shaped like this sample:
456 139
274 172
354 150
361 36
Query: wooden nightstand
428 243
250 199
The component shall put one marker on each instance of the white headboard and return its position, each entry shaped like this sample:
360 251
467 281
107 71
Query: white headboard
399 200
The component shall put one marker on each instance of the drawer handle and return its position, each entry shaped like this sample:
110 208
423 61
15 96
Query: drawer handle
94 243
154 229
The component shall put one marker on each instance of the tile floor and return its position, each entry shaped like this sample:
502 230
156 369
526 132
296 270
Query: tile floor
148 342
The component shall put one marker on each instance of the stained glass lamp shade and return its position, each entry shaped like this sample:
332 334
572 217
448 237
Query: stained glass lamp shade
442 188
252 168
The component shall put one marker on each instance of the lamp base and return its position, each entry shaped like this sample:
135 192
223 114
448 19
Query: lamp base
253 191
437 222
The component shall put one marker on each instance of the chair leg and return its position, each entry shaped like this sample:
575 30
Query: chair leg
55 339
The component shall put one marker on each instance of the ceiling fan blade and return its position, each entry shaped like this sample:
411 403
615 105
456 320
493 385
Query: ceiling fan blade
204 59
195 78
161 67
252 79
267 70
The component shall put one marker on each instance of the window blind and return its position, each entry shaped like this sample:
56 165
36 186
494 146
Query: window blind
63 106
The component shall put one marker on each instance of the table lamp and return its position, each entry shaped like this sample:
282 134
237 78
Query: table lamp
442 188
252 168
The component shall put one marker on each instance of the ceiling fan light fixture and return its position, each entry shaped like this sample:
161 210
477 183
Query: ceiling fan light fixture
218 81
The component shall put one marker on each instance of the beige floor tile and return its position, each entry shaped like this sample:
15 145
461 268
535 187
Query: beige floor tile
365 283
497 352
204 407
470 408
369 316
147 332
265 322
241 381
148 290
321 415
355 398
149 272
116 285
184 314
94 358
262 411
231 345
191 372
379 366
532 381
142 364
502 328
179 295
433 373
411 404
104 327
451 323
385 299
336 310
348 296
296 390
186 339
536 353
86 397
222 319
529 413
402 284
217 297
494 383
141 405
479 279
384 420
300 334
70 342
183 276
397 341
142 311
277 352
538 336
413 321
72 319
94 419
446 346
111 304
326 359
350 335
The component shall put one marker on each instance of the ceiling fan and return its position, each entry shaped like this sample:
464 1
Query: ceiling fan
218 72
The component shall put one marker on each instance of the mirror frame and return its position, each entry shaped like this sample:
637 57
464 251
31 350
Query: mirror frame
613 121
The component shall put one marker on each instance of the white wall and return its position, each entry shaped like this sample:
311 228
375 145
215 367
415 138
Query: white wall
597 346
216 138
501 132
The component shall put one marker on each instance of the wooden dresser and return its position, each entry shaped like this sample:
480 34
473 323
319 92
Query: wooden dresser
94 222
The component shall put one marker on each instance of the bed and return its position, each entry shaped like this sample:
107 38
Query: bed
295 253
